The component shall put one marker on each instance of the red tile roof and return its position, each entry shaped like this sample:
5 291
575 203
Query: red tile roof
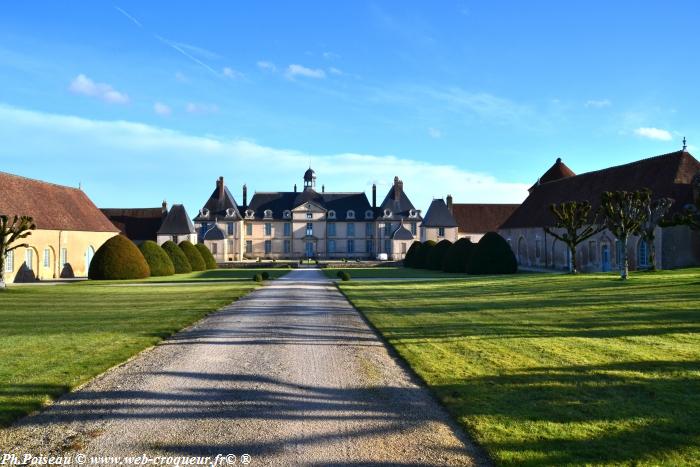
53 207
668 175
481 218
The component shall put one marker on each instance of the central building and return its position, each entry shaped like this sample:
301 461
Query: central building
307 223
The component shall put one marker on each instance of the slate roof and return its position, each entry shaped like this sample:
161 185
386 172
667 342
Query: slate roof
398 203
481 218
402 233
438 215
278 202
53 207
214 233
218 204
136 223
177 222
668 175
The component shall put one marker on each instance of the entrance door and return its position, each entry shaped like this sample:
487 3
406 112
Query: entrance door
309 249
605 257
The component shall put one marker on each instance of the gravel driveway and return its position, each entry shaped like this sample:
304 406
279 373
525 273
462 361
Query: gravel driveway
290 374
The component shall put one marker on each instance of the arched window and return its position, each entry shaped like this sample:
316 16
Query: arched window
522 251
287 214
331 214
89 253
642 254
249 214
204 212
268 214
387 213
368 214
230 212
351 214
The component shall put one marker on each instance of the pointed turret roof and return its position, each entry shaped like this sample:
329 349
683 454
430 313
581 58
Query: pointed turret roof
177 222
219 203
439 215
557 171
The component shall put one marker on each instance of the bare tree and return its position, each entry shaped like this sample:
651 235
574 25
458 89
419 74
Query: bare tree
656 210
10 232
624 213
575 218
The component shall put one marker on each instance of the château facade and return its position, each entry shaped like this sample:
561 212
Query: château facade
307 224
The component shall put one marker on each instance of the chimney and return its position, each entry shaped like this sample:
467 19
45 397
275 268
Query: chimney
323 188
398 188
374 195
164 208
220 187
245 196
449 203
295 188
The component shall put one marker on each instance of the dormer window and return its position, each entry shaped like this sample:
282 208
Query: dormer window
230 212
250 214
387 213
412 213
369 214
331 214
287 214
268 214
351 214
204 212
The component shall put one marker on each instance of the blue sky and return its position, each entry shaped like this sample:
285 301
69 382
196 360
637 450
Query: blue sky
141 101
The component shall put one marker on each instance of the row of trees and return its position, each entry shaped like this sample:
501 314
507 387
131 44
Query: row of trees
120 258
623 213
492 255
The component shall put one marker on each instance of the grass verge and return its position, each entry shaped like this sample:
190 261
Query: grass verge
390 273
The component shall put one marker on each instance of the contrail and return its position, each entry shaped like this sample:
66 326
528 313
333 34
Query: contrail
134 20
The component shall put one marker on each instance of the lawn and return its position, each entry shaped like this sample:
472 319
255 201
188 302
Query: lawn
389 273
213 275
57 337
556 369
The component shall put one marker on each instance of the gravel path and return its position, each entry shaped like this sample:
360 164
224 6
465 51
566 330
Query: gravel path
290 374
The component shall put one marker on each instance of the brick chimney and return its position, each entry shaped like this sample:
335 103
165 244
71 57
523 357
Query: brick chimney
323 188
295 188
449 203
374 195
164 207
398 188
245 196
220 187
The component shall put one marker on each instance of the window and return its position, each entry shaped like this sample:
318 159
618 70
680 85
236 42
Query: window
64 257
538 247
249 229
47 258
331 246
309 229
643 254
351 230
351 214
331 214
214 248
368 214
230 246
268 228
331 229
287 214
287 246
287 229
176 239
387 245
441 231
414 228
29 258
403 248
248 246
230 212
368 246
231 228
592 252
268 214
268 246
309 215
351 246
368 229
387 229
10 261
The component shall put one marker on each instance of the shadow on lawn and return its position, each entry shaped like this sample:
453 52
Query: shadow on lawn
17 400
616 413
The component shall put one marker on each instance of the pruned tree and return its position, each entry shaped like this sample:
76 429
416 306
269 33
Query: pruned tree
575 218
656 210
624 213
691 214
11 230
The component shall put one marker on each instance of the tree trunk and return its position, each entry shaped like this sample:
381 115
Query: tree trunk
2 270
652 254
572 252
624 271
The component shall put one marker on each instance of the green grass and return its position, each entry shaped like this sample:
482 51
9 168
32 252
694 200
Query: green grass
390 273
213 275
556 369
54 338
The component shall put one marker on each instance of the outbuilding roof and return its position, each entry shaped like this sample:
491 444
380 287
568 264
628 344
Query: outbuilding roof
438 215
481 218
137 223
177 222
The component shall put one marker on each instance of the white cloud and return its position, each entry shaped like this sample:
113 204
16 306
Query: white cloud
267 66
81 84
231 73
195 108
330 55
598 103
162 109
654 133
435 133
335 71
299 70
197 160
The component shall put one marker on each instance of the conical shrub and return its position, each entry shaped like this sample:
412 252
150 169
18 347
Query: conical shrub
118 258
177 256
493 255
436 255
193 255
158 260
209 261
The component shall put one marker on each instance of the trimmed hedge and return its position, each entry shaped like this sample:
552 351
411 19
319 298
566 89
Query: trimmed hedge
409 260
265 275
257 277
158 260
437 254
118 258
421 260
458 256
209 261
193 255
492 256
177 256
344 276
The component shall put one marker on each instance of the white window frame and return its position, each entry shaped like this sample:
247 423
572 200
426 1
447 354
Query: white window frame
47 258
10 261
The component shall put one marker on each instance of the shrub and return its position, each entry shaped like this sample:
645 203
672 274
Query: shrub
492 256
193 255
158 260
257 277
209 261
344 276
410 259
265 275
118 258
421 260
436 255
458 256
177 256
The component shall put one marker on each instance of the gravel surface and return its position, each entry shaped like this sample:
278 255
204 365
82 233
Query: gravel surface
290 374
